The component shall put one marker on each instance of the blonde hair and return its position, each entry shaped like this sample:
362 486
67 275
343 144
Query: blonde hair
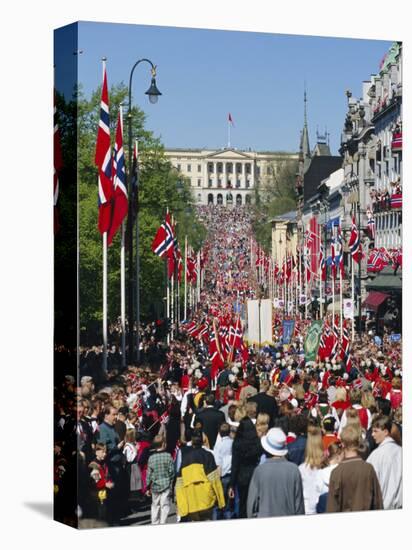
130 435
350 438
367 400
299 391
262 424
340 394
314 453
240 413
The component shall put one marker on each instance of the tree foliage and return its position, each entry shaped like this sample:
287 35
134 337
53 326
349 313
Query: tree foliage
158 190
275 197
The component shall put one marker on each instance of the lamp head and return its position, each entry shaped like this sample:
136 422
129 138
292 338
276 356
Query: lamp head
153 91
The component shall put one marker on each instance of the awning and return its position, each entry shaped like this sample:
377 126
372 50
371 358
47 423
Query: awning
374 300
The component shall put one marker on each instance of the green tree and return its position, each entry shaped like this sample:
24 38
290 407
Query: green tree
157 190
275 197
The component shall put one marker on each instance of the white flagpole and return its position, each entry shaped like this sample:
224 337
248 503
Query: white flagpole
305 254
104 280
198 277
168 306
340 297
353 300
228 132
123 294
105 301
185 300
333 296
320 276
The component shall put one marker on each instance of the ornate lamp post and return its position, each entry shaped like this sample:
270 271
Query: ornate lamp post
153 94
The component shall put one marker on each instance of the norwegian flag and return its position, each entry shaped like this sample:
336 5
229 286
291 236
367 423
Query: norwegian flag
103 160
371 225
322 263
306 262
289 267
354 243
374 264
179 262
215 353
204 331
339 242
58 165
120 202
396 200
336 338
172 255
192 329
191 269
163 240
345 347
333 256
236 335
309 238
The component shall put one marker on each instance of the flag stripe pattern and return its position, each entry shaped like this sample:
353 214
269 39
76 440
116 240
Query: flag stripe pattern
103 160
120 204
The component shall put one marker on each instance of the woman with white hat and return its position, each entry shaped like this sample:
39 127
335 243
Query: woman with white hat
276 485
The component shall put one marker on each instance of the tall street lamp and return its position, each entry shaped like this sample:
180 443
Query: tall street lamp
153 94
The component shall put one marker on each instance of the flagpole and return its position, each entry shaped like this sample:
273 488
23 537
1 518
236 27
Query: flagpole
123 294
228 133
137 265
353 299
185 298
305 253
104 277
198 276
320 276
340 297
105 301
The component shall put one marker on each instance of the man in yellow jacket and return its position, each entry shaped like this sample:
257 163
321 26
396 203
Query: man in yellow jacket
198 485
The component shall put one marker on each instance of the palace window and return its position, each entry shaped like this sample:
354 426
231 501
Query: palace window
189 167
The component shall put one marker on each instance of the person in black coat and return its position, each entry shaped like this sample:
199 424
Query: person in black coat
246 454
266 403
210 419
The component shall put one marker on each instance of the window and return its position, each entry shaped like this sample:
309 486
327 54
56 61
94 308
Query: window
178 166
199 167
189 167
209 183
199 183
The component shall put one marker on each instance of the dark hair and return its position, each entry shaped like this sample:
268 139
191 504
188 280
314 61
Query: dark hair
298 424
382 422
210 399
329 424
224 429
383 406
197 438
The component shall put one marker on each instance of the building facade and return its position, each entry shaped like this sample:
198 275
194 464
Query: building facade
227 176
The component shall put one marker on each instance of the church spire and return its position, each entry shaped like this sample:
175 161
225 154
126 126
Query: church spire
305 134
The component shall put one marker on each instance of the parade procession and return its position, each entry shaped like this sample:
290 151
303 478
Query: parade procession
239 348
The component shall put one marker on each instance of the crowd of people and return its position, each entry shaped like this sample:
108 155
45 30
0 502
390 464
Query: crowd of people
268 435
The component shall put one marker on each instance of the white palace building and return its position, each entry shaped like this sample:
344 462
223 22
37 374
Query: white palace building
226 176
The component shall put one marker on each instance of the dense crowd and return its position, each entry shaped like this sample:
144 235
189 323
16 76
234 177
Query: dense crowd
270 435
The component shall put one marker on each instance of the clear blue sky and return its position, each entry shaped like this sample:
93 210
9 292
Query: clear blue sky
257 77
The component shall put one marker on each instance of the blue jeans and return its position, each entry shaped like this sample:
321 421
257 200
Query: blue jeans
229 511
